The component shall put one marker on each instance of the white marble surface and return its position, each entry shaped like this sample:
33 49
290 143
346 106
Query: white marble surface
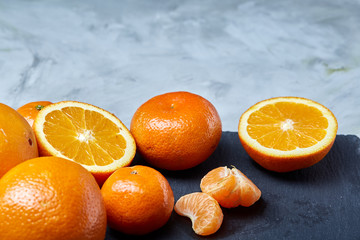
117 54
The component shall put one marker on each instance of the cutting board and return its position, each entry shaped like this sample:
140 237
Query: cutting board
320 202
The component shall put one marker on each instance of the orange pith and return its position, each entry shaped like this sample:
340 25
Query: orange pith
85 134
203 210
230 187
287 133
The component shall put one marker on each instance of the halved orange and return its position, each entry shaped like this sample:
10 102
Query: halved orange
230 187
287 133
85 134
203 210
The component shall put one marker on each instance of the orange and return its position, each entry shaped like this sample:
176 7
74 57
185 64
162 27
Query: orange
176 130
85 134
230 187
203 210
51 198
138 200
287 133
30 110
17 140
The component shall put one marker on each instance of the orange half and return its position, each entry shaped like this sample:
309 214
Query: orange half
287 133
85 134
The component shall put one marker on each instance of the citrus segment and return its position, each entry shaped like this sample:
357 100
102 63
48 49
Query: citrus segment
85 134
230 187
203 210
287 133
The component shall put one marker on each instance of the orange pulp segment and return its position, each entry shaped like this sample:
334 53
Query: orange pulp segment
203 210
230 187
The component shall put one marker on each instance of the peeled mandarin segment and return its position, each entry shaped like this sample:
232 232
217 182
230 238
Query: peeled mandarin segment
203 210
218 183
230 187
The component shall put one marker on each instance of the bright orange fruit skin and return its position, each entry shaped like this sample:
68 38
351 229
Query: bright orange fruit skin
51 198
30 110
138 200
230 187
176 130
17 140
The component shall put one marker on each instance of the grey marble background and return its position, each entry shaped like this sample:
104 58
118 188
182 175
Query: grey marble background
118 54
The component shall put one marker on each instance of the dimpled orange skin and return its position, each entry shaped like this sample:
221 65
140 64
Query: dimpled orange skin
51 198
177 130
30 110
138 200
17 140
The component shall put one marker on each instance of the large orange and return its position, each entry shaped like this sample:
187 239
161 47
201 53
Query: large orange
176 130
138 200
17 140
30 110
51 198
85 134
287 133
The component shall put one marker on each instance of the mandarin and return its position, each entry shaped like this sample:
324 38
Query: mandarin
17 140
176 130
287 133
138 200
51 198
30 110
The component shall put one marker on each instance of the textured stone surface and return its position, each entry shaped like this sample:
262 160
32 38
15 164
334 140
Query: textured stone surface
117 54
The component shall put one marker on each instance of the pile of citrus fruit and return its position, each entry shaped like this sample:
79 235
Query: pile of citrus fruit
65 167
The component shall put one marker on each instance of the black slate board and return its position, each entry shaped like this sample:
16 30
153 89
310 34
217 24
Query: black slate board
320 202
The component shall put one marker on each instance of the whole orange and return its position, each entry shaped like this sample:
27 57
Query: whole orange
17 140
138 200
30 110
51 198
176 130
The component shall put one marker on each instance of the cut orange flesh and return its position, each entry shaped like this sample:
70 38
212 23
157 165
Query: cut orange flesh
230 187
85 134
203 210
287 133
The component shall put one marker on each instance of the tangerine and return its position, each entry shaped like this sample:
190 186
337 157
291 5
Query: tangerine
30 110
138 200
176 130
